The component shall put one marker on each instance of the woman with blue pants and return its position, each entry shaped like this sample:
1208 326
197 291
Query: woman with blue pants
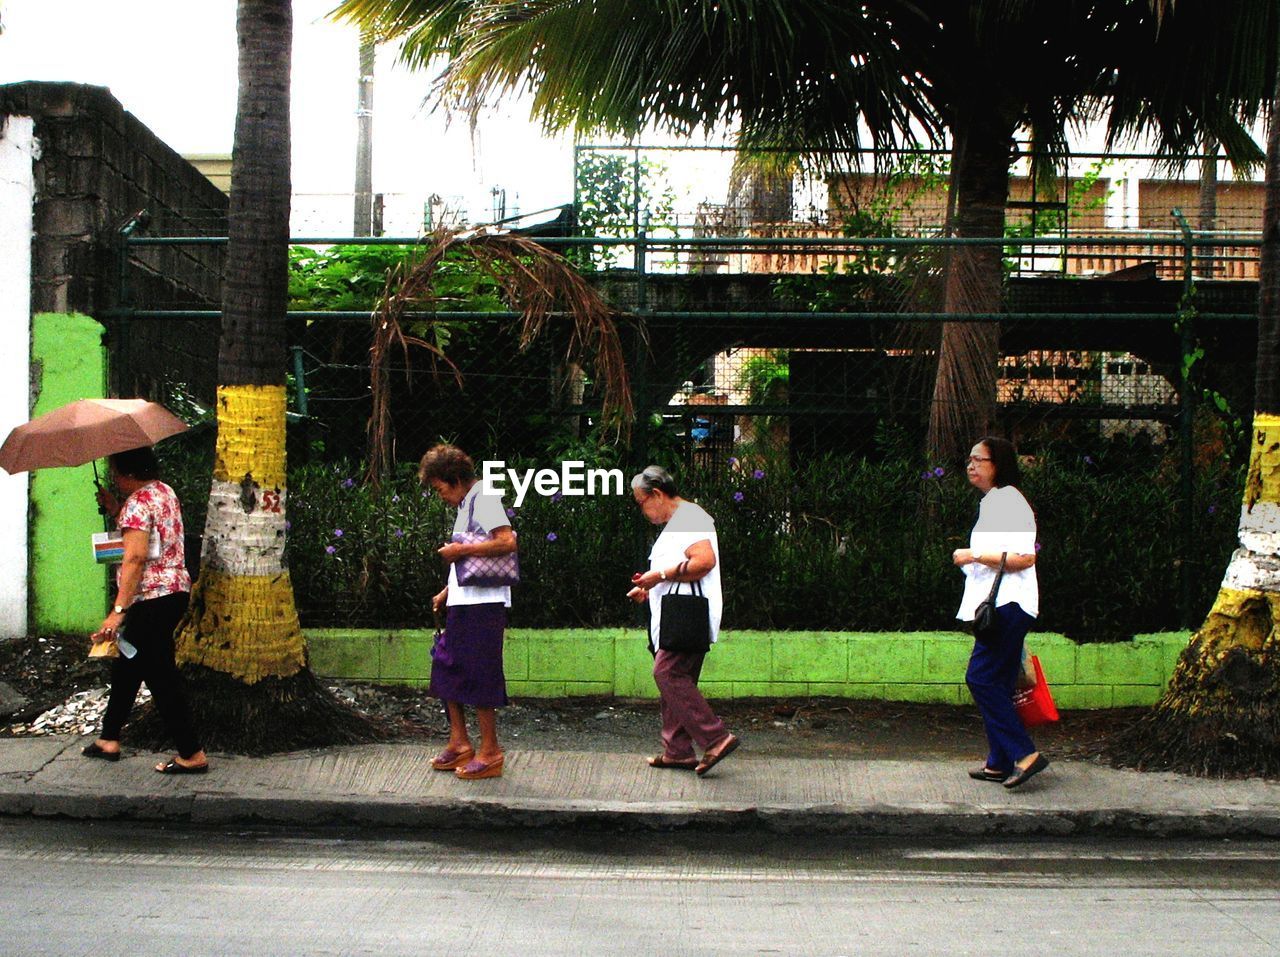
1005 531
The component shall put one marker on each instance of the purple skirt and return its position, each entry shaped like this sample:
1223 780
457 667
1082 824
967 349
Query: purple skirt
466 662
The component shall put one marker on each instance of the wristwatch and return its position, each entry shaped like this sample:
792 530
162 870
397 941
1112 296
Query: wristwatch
977 556
662 573
118 609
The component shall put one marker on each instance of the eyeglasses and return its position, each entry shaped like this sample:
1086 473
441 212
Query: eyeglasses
975 459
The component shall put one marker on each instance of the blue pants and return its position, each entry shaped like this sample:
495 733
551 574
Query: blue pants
992 677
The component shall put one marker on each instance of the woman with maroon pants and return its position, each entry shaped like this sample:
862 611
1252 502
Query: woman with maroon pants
686 551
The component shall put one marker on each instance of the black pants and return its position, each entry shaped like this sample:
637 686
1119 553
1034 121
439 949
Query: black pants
149 627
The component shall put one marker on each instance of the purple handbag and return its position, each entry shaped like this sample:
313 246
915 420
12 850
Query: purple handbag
484 571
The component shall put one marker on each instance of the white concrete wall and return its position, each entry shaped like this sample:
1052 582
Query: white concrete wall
18 152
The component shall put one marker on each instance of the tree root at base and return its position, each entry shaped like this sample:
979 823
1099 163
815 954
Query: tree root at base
270 716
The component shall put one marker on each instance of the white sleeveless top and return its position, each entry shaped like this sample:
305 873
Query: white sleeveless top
690 524
1006 523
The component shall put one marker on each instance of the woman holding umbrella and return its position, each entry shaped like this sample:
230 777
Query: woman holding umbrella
152 586
152 589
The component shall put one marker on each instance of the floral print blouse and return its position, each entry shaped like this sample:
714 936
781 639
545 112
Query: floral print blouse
154 509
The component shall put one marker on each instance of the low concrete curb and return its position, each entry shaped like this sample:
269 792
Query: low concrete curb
392 786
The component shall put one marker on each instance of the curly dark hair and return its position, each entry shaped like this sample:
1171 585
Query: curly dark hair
447 463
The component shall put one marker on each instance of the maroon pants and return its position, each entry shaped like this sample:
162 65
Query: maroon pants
686 717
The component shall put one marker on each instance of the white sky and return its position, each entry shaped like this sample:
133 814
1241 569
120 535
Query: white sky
173 65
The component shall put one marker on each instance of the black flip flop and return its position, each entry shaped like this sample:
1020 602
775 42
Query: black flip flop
95 751
173 767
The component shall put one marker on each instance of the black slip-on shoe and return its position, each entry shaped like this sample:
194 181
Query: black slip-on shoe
1022 775
985 773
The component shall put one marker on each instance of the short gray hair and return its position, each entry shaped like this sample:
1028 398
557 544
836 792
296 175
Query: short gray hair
655 478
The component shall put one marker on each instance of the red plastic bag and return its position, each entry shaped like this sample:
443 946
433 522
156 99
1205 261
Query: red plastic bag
1035 705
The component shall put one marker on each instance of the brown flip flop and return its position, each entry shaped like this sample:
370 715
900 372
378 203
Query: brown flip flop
662 761
709 761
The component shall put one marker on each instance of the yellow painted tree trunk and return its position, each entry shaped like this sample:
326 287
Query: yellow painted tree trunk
1221 712
240 645
243 622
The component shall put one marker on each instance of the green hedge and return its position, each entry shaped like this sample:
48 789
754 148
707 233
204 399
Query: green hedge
832 544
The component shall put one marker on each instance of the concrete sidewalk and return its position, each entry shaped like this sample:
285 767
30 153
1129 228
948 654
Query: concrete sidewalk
394 785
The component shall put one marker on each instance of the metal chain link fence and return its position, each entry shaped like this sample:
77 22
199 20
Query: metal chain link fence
786 378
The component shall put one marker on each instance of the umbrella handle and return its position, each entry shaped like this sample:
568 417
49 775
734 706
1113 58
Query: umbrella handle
102 509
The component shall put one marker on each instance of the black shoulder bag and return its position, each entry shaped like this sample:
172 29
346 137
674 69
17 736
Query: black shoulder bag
686 621
985 623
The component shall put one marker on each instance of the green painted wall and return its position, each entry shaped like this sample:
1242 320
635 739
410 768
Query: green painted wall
68 591
915 666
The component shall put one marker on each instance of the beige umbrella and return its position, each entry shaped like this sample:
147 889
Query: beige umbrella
85 431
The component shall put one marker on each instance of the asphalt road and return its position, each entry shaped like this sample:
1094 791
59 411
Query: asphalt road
84 888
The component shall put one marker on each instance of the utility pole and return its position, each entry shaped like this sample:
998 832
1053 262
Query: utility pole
363 220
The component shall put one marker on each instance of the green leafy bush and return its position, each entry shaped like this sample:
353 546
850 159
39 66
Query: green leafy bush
830 544
359 555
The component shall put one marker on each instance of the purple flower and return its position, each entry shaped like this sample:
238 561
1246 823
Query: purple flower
329 549
511 513
1212 509
939 472
337 533
349 483
287 525
399 533
733 462
926 475
552 536
557 496
395 498
1088 460
738 496
758 474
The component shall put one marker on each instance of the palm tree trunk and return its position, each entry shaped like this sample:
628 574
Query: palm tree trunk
964 392
1221 712
1208 214
241 643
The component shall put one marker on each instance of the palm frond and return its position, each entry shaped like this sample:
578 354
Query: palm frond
429 27
543 286
802 71
1203 67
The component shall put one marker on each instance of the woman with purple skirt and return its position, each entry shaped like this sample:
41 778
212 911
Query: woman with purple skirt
466 663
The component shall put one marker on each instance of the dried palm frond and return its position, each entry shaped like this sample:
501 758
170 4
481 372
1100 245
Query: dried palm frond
541 285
